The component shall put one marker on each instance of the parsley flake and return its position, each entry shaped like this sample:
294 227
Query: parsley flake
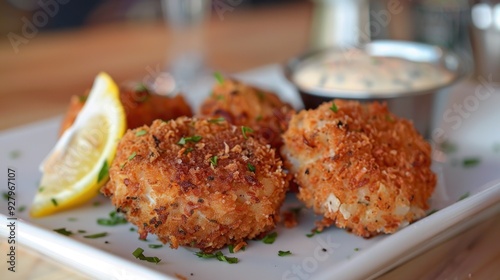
103 173
231 248
251 167
284 253
448 147
140 132
213 161
217 120
54 201
270 238
218 255
471 162
113 220
141 87
15 154
313 233
432 212
334 108
138 254
184 140
245 130
219 78
63 231
132 156
97 235
155 246
464 196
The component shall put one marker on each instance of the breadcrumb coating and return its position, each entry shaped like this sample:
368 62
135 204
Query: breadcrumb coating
360 166
197 182
241 104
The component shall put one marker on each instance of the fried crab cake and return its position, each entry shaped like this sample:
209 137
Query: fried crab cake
241 104
195 182
359 166
142 106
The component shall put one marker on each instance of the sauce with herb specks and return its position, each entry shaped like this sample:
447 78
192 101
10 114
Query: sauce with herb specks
361 72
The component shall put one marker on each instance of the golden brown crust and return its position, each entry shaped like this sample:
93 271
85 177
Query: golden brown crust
141 107
241 104
362 167
183 195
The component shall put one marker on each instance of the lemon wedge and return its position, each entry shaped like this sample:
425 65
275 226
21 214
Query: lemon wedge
77 166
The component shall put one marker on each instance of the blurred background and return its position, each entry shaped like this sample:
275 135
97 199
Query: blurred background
59 45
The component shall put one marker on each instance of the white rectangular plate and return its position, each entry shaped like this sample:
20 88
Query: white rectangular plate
346 256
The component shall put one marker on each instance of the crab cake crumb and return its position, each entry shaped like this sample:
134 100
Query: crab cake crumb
360 166
196 182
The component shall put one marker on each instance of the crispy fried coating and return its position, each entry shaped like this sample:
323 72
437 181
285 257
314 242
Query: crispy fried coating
241 104
359 166
197 182
141 106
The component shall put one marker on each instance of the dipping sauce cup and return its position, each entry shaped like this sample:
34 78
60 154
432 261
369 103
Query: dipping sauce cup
408 76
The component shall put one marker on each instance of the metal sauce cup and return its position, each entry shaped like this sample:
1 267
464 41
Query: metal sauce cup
417 105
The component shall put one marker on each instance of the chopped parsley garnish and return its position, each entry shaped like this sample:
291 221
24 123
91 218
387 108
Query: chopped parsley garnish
245 130
432 212
72 219
464 196
5 196
213 161
313 233
82 98
63 231
219 78
218 255
258 118
188 150
114 219
448 147
138 254
284 253
103 173
270 238
334 108
97 235
82 231
54 201
251 167
21 209
184 140
470 162
140 87
132 156
217 120
15 154
41 188
155 246
96 203
356 249
231 248
132 229
141 132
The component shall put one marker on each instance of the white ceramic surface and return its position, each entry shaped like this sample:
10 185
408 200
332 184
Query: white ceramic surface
347 256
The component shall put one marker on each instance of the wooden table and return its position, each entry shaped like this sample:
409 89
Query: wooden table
37 82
